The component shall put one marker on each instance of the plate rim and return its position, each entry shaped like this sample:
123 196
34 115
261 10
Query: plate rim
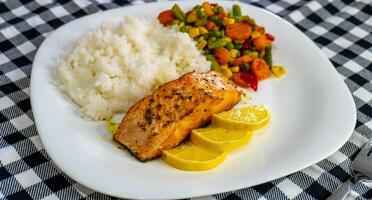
61 166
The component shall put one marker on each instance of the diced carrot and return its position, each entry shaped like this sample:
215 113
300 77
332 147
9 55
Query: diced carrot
241 60
262 42
261 29
238 31
260 68
222 15
208 9
166 17
210 25
222 55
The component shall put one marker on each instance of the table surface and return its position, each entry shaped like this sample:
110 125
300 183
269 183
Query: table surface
341 29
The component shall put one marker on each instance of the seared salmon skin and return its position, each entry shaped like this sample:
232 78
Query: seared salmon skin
164 119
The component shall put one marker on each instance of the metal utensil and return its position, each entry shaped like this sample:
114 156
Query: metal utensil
361 169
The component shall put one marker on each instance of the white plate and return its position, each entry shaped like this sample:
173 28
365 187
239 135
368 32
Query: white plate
313 114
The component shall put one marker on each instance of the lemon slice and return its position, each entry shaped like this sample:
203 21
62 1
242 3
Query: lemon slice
219 138
193 158
248 118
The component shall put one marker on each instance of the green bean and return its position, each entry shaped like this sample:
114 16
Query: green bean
201 22
176 10
222 33
236 10
229 46
222 42
238 19
214 64
268 56
212 39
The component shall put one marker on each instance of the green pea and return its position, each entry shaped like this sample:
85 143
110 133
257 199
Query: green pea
184 29
212 39
249 20
175 22
199 12
218 9
245 67
214 17
229 46
252 54
215 33
219 22
238 46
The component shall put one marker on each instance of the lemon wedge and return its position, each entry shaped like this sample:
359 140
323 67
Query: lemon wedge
247 118
219 138
193 158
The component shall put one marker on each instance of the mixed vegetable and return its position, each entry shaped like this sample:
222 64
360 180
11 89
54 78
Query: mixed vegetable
234 43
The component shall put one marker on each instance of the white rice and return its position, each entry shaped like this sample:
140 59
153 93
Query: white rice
111 69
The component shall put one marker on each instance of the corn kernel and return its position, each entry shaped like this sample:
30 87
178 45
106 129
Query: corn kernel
181 24
227 72
255 34
202 44
233 53
278 71
229 21
235 69
224 67
193 32
203 30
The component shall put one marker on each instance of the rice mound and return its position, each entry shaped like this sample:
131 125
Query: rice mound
112 68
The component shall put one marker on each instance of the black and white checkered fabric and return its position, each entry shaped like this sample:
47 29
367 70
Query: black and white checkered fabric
341 28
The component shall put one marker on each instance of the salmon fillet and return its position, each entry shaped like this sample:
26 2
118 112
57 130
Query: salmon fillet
164 119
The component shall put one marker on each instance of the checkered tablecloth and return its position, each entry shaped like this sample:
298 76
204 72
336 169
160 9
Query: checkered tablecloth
341 28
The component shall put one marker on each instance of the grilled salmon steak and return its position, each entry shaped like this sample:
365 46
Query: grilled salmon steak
164 119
